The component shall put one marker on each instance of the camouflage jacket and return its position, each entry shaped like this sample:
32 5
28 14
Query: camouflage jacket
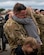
14 32
40 20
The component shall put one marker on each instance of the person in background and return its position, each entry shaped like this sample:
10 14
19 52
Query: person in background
40 20
42 11
7 15
2 21
37 11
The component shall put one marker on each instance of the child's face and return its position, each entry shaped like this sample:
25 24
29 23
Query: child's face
22 14
29 49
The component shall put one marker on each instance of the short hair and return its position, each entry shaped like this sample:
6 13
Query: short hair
41 10
32 41
35 9
19 7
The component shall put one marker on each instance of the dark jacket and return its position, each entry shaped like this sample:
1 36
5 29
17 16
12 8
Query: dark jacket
2 21
6 17
19 51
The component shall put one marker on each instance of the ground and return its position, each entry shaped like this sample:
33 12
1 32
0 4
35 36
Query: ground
6 52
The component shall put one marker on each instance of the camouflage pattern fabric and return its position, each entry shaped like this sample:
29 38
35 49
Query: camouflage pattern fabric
40 20
15 33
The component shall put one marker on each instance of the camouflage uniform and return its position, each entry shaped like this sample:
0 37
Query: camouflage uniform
15 34
40 20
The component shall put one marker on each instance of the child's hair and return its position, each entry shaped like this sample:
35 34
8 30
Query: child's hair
31 41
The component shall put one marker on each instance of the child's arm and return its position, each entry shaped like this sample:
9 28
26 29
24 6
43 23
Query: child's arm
22 21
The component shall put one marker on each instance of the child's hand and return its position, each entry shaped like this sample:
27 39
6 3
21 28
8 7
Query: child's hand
11 14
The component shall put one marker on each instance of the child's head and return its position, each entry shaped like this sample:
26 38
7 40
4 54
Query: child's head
30 45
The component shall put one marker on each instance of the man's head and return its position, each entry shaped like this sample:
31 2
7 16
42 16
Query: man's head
37 11
42 11
19 10
30 45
